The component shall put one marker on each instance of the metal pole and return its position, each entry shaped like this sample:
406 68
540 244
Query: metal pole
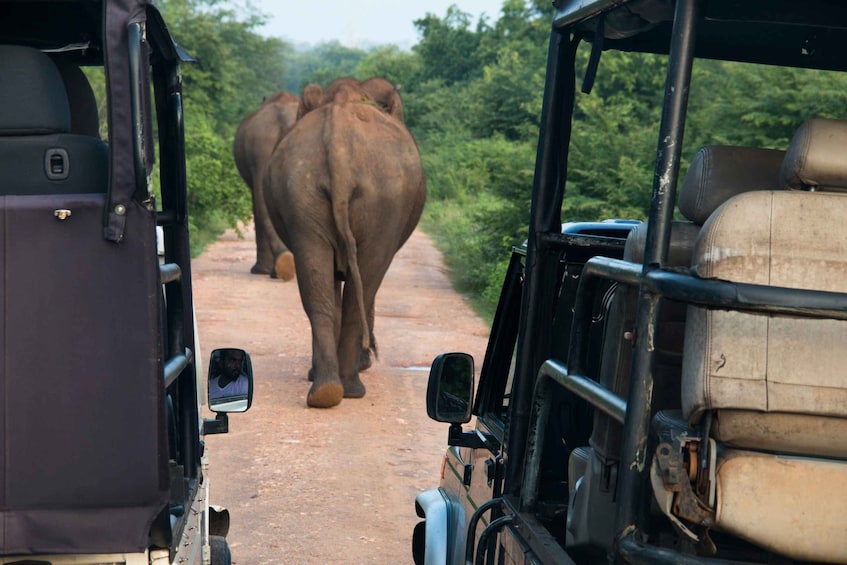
634 485
548 184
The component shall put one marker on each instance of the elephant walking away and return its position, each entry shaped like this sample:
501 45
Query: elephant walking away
255 139
344 188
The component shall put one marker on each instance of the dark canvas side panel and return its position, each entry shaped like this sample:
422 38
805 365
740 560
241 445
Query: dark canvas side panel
4 400
82 379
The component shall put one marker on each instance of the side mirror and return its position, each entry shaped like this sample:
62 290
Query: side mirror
450 388
230 381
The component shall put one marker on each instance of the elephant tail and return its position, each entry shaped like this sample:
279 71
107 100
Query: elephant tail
341 216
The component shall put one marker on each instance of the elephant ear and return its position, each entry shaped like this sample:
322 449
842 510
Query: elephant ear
394 105
386 95
312 97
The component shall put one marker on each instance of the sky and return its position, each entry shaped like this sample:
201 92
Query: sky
359 23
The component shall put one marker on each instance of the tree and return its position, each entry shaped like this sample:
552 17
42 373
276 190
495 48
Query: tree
389 62
321 65
448 47
234 68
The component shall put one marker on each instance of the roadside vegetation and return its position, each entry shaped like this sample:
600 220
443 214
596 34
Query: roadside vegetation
472 94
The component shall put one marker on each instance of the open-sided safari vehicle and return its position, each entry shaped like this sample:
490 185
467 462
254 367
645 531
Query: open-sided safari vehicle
673 391
101 458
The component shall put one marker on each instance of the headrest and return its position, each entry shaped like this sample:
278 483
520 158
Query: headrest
32 96
719 172
85 119
817 157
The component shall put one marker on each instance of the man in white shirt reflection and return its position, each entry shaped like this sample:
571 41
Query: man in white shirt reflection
232 382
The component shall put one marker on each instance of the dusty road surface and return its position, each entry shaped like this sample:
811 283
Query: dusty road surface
310 486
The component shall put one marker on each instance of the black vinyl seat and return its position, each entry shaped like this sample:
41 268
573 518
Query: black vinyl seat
39 154
83 104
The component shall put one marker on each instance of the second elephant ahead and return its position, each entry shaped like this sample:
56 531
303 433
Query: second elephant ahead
344 189
255 139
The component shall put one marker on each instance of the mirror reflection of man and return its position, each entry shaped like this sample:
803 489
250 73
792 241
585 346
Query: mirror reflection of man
232 381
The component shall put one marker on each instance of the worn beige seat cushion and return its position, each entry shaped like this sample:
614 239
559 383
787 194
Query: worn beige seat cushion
716 173
791 505
742 361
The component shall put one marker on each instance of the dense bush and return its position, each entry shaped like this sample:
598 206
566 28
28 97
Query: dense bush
472 93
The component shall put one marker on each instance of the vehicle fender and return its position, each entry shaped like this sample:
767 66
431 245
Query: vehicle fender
445 527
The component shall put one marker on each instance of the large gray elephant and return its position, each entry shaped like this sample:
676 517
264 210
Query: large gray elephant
255 139
344 188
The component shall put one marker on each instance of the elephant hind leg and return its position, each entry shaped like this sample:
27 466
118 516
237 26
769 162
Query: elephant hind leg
365 361
353 387
325 395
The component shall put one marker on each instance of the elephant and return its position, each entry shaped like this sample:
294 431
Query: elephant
344 189
376 89
255 139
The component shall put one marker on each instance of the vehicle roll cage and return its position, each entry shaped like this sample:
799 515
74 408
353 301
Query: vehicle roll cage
529 407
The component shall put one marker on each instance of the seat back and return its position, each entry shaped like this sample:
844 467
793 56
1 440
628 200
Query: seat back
716 174
85 119
38 152
774 382
83 436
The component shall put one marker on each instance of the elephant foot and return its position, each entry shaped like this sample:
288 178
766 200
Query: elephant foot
284 266
365 361
325 396
354 388
259 269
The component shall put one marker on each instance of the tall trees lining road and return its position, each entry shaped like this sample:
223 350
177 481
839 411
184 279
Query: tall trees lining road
472 94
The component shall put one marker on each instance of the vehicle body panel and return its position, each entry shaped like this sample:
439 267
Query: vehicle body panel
100 375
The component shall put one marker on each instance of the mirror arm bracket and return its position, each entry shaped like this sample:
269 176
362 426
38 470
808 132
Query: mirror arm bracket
220 425
474 439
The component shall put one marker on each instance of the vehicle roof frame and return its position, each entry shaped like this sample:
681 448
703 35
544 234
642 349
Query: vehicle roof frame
545 217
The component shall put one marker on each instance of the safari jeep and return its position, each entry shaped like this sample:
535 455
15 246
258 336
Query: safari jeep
673 391
101 459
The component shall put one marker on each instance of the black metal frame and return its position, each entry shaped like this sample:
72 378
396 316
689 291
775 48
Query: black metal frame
175 272
538 372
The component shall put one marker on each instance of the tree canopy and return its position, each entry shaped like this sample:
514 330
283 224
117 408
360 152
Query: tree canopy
472 93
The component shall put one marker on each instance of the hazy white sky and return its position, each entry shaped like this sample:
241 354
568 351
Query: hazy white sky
359 23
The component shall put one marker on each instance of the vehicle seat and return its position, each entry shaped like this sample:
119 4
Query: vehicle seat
81 378
772 390
716 173
85 119
38 152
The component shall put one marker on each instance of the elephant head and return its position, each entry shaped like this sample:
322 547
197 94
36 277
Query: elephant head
376 90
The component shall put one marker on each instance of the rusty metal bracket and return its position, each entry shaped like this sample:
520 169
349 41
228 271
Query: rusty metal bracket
678 467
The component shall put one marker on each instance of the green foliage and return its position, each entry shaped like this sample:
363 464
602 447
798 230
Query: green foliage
478 206
472 94
448 47
321 65
217 195
401 68
768 118
508 98
234 69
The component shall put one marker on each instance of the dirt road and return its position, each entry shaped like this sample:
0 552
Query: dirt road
309 486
